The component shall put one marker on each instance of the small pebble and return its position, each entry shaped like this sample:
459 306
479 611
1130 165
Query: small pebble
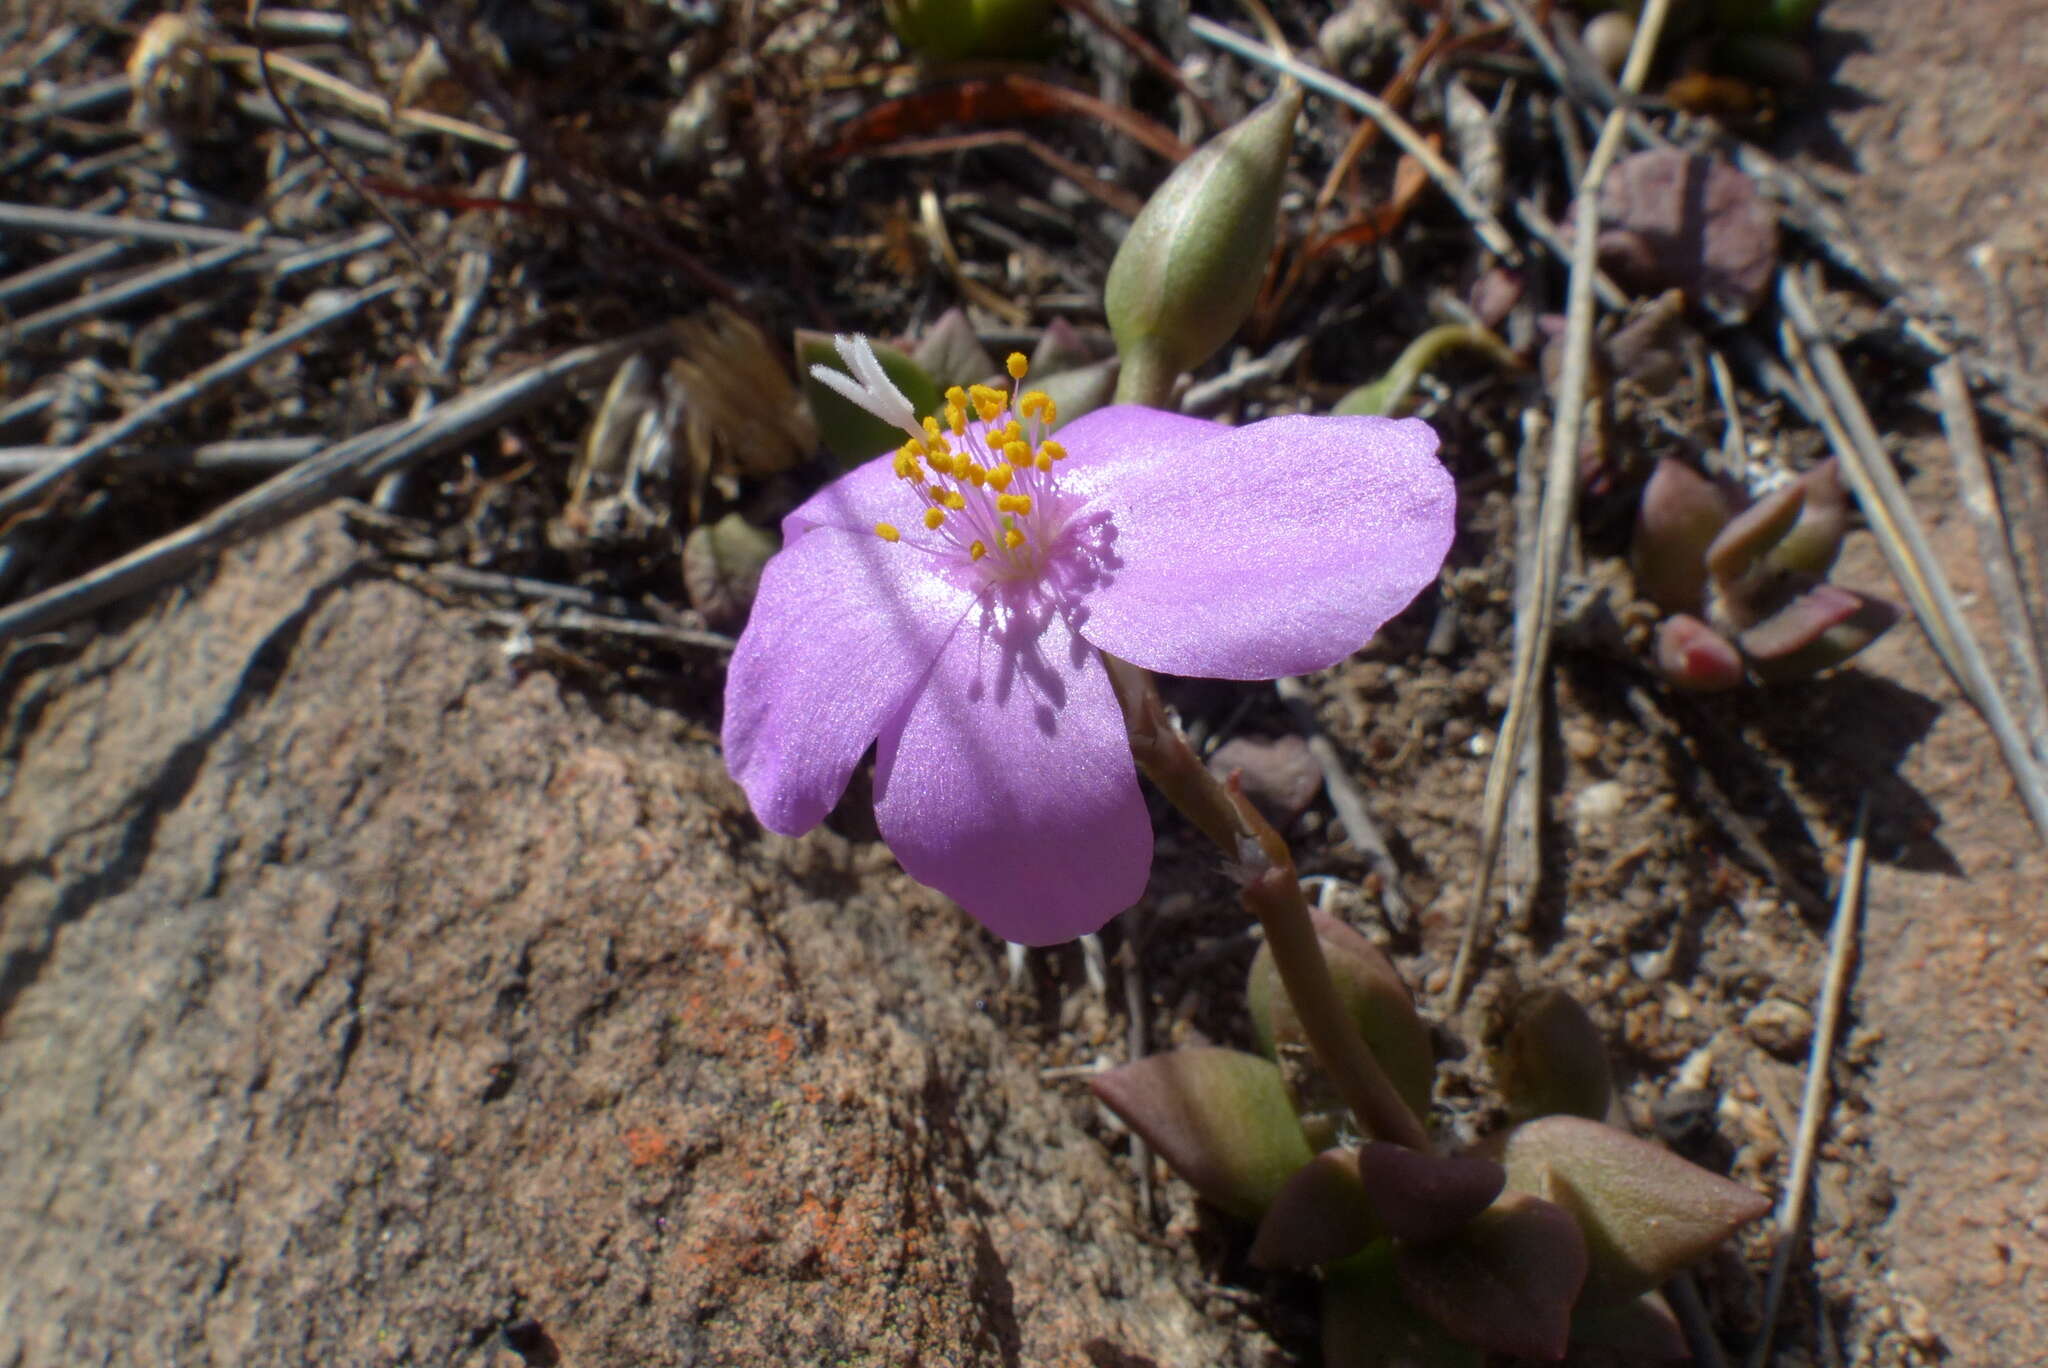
1783 1028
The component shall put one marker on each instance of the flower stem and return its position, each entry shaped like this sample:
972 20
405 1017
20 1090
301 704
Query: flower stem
1145 378
1273 895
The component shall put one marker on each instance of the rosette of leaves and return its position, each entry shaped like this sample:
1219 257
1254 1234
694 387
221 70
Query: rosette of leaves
1551 1235
1745 589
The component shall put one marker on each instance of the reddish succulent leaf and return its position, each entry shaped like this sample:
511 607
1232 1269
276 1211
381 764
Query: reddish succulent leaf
1672 219
1693 655
1680 515
1821 628
1812 544
1426 1196
1646 1212
1320 1215
1220 1118
1506 1282
950 351
1554 1060
1745 543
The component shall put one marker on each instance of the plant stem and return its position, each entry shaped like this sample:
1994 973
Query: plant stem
1273 895
1146 379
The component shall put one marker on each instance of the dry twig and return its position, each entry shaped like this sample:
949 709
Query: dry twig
1560 506
1899 536
1813 1103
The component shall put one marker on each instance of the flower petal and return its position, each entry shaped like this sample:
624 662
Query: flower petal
1271 549
843 630
871 492
1009 785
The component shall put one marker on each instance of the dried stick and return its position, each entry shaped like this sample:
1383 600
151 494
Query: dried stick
1899 536
1483 222
166 277
262 453
2001 571
342 467
61 271
1560 506
78 223
94 449
1813 1103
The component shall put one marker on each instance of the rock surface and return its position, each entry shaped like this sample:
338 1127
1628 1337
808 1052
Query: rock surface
365 1003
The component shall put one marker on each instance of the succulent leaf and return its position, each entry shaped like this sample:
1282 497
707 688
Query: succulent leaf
1320 1215
1506 1282
950 352
1368 1323
1680 515
1554 1060
1643 1328
1426 1196
1220 1118
1378 1001
1820 627
1646 1212
1694 656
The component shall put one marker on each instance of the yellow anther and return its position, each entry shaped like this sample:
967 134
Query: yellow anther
956 395
1053 449
1044 462
887 532
1013 431
1017 453
1013 539
1000 477
1016 365
941 462
975 475
977 551
931 429
956 419
954 500
1048 412
1034 403
933 517
1013 503
988 402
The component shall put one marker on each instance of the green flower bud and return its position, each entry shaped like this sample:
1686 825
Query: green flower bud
1189 270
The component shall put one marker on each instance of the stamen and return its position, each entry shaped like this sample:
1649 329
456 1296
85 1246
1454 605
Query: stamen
1016 365
1000 477
976 551
933 517
1053 449
887 532
1013 539
1014 503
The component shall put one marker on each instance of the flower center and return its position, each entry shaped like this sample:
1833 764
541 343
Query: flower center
984 475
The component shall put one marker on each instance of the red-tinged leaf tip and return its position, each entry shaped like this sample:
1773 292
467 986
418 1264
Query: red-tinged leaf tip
1427 1196
1694 656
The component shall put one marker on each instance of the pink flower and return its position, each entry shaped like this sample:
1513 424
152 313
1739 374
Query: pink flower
948 602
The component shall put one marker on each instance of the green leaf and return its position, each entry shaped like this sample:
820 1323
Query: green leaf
1220 1118
849 431
1643 1328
